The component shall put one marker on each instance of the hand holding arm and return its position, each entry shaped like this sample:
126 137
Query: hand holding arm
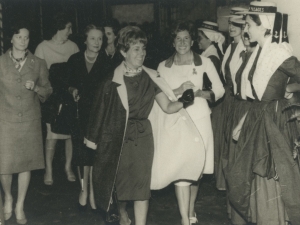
74 92
206 94
183 87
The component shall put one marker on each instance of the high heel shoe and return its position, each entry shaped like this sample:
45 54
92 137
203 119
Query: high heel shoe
194 220
48 182
8 215
81 208
70 175
22 220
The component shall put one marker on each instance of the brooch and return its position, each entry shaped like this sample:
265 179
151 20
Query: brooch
194 71
32 60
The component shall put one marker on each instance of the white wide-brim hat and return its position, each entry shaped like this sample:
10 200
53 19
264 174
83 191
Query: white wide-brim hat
260 8
234 12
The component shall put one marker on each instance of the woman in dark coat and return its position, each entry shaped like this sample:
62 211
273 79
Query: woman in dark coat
23 84
85 73
120 132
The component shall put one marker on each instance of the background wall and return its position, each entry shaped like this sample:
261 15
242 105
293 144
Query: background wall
291 7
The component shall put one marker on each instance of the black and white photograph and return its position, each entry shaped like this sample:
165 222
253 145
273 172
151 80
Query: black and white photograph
149 112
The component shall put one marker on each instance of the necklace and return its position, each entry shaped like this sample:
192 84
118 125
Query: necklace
88 60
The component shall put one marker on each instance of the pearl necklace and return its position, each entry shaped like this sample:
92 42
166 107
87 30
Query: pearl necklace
88 60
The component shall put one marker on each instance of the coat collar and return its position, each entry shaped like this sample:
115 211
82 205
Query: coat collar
197 60
29 64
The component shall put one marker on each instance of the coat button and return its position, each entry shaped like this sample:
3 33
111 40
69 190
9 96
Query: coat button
19 80
20 114
196 139
19 97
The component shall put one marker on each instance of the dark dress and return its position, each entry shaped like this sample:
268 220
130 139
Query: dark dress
86 83
134 172
220 113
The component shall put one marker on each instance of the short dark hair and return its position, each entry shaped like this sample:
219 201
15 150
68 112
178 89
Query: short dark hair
258 22
183 26
60 20
113 23
17 26
90 27
130 35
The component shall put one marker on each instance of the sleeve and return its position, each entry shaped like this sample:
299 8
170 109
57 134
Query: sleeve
217 86
97 117
45 89
72 72
39 52
291 67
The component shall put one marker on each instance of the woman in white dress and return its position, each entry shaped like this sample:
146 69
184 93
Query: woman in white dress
184 70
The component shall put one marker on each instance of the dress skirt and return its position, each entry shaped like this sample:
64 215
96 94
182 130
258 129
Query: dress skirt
21 146
134 172
51 135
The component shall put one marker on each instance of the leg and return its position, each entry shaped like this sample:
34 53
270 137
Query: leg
194 191
124 219
68 167
183 198
6 181
140 212
23 183
84 186
50 150
92 198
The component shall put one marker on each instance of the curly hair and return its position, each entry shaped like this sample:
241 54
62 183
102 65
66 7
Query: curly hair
130 35
60 20
183 26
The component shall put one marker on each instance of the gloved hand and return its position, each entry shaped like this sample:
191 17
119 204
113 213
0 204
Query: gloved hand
187 98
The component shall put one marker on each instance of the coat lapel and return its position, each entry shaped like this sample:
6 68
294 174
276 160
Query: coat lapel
29 64
118 78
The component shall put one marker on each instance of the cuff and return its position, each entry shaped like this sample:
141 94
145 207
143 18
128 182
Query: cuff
90 144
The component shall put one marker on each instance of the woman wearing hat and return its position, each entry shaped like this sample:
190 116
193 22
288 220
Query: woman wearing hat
230 64
263 178
210 40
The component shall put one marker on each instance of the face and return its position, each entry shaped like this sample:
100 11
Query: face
20 41
255 32
110 35
233 30
65 33
183 42
94 41
245 37
135 55
203 42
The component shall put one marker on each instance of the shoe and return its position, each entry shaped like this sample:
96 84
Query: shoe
82 208
47 182
22 220
126 224
7 216
194 220
70 175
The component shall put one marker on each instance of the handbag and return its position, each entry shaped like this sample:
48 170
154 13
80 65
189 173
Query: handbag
60 122
112 215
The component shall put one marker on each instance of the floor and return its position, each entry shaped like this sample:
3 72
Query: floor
57 204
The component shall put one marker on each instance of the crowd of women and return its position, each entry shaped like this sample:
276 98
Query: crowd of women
130 129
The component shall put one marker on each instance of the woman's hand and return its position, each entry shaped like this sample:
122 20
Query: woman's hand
30 85
208 95
75 94
183 87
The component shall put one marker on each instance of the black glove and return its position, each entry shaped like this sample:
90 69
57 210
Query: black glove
187 98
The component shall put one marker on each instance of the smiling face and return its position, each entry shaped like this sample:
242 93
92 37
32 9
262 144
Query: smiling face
256 33
135 55
183 42
245 37
234 31
94 41
65 33
20 41
110 35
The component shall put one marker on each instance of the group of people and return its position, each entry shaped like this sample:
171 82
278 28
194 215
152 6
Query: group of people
133 129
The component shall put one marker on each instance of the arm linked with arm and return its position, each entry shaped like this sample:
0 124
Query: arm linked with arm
43 87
